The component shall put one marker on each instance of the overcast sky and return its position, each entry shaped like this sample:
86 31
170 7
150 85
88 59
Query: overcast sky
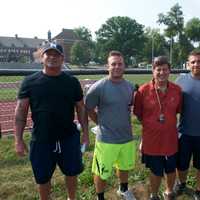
29 18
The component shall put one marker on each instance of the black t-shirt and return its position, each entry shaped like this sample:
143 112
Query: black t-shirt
52 101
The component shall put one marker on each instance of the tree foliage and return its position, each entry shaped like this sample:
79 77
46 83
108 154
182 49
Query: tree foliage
136 44
155 45
81 50
84 34
80 53
173 20
192 29
120 33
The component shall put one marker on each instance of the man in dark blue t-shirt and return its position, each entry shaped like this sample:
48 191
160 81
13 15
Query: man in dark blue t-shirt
52 96
189 126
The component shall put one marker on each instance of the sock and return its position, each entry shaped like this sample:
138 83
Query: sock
197 192
123 187
183 185
100 196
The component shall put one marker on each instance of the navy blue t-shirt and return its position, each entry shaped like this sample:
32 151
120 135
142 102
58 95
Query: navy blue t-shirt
52 101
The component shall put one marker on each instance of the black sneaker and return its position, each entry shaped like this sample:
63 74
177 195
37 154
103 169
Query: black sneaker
180 188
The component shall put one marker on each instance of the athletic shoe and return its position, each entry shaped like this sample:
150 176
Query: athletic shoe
128 195
154 197
169 196
181 188
196 195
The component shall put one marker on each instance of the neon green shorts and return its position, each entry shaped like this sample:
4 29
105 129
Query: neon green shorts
106 156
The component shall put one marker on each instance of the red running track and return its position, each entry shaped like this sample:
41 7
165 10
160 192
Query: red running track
7 109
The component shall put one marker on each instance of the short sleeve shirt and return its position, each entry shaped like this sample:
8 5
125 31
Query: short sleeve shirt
52 101
113 102
158 138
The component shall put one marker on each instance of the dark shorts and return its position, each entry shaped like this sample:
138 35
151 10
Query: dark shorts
65 153
189 147
160 164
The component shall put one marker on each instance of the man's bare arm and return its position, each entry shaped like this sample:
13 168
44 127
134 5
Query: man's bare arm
93 115
21 113
83 120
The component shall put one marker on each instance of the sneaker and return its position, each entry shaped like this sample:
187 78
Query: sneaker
154 197
181 188
196 195
128 195
169 196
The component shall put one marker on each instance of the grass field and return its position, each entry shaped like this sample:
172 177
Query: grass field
17 183
10 93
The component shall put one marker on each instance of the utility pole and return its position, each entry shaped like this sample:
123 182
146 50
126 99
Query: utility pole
152 49
171 50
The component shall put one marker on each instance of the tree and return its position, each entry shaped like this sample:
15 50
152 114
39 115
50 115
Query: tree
80 53
192 29
154 45
120 33
84 34
174 22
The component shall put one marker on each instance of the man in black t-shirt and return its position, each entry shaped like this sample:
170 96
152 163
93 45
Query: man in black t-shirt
52 96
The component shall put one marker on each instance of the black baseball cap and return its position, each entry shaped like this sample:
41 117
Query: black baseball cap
52 45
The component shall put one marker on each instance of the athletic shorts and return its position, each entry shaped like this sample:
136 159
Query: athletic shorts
160 164
65 153
106 156
189 147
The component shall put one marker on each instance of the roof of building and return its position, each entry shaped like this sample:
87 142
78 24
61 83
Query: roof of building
67 34
20 42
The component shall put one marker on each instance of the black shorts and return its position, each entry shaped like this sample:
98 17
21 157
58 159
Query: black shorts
160 164
65 153
189 147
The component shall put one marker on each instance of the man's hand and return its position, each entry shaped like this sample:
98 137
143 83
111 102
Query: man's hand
85 139
21 148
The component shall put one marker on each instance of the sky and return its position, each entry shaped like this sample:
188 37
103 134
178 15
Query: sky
30 18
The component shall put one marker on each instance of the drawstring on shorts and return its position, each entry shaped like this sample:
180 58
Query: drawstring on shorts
58 147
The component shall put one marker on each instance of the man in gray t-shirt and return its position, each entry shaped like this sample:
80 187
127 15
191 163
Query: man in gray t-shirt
189 126
109 102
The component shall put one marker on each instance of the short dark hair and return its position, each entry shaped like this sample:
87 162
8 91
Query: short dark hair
160 60
195 52
114 53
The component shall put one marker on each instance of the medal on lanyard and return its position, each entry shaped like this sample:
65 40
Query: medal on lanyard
161 117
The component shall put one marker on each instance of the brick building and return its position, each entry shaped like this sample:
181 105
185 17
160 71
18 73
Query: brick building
18 49
66 38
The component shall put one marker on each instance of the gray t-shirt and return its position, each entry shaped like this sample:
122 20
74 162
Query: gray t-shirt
190 116
113 102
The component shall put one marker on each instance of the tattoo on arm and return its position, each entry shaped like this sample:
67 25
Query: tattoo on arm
21 113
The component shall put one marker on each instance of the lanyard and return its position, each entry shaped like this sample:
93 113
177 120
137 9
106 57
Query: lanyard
158 99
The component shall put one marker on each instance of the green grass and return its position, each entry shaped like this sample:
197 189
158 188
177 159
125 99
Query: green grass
17 182
16 178
10 94
10 78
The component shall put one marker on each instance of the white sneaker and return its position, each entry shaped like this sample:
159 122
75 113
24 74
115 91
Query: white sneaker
128 195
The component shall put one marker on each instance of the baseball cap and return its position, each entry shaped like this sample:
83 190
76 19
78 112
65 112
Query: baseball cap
51 45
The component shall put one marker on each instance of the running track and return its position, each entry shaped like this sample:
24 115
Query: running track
7 108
